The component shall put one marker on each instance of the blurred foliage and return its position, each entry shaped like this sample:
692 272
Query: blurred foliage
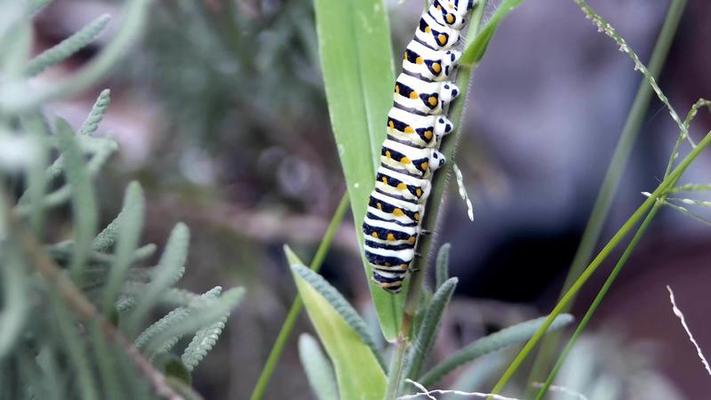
77 303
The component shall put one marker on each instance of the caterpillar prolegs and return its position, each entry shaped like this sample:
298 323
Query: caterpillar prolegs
410 153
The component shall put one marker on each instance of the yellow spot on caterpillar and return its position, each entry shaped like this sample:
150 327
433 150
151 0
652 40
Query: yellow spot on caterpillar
442 39
428 29
424 166
410 240
375 235
417 216
436 68
391 237
385 180
380 206
397 89
402 186
428 135
419 60
432 100
418 192
387 154
398 212
413 95
405 160
450 18
391 125
408 129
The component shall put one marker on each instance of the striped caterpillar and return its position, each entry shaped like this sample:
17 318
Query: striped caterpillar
410 153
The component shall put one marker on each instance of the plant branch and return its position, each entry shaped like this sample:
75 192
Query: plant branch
84 308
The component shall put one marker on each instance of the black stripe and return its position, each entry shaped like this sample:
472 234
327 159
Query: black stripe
406 143
395 196
388 207
383 232
382 279
425 44
411 110
377 259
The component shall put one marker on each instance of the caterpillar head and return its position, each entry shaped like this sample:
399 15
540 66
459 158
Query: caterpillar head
437 160
449 61
448 92
442 127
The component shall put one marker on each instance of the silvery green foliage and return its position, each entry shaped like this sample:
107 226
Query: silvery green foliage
51 347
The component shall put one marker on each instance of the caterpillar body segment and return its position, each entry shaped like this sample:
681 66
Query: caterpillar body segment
423 97
402 186
410 160
435 35
421 61
415 129
410 154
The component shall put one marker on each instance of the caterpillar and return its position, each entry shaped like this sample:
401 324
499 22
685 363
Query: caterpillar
410 153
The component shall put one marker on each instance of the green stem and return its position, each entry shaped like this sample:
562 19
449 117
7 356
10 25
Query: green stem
298 304
599 298
396 367
609 186
439 183
602 255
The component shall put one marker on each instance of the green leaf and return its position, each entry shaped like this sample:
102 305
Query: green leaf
166 274
203 341
510 336
318 369
428 329
358 73
336 300
476 49
67 47
358 372
84 210
442 270
91 124
207 311
129 232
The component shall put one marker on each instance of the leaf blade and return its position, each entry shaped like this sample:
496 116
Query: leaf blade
358 372
358 72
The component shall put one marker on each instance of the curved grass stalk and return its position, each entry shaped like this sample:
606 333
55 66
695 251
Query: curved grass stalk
598 299
634 219
296 307
613 175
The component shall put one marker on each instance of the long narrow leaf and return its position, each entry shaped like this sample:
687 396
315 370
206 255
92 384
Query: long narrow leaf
336 300
428 329
84 210
67 47
510 336
356 58
359 374
318 369
130 230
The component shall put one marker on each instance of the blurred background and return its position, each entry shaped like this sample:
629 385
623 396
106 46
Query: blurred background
221 116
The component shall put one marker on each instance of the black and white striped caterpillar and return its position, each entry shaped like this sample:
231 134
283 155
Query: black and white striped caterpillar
415 128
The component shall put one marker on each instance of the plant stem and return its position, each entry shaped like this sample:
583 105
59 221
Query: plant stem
599 298
84 309
610 183
439 183
602 255
298 304
396 369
